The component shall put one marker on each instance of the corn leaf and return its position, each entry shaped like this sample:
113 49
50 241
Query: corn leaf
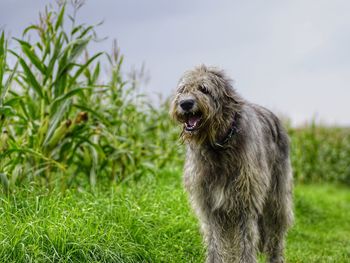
54 58
96 73
59 21
55 120
32 27
6 111
34 58
75 48
85 31
76 29
7 83
4 181
23 43
66 96
83 67
2 43
29 76
2 59
37 154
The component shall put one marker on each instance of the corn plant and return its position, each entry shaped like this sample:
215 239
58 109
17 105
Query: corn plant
48 84
6 108
321 154
65 122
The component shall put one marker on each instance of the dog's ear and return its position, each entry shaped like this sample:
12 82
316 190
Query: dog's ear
230 94
225 84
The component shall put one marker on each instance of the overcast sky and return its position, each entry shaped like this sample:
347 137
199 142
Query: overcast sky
290 56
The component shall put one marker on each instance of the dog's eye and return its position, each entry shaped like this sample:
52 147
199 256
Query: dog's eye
203 89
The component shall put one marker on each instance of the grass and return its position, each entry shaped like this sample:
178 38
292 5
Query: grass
152 222
322 229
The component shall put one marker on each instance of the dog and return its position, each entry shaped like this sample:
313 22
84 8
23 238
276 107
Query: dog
237 169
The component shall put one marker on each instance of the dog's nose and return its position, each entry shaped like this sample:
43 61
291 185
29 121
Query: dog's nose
187 104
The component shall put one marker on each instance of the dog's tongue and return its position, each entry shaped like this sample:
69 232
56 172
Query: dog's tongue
192 121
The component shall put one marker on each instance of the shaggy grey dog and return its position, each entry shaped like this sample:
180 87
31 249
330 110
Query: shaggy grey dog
237 169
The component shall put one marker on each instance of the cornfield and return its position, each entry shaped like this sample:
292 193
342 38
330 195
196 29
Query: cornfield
62 122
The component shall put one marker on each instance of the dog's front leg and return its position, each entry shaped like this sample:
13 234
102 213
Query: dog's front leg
248 239
213 255
236 242
209 240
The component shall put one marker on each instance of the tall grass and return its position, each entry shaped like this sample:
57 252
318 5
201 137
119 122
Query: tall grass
152 222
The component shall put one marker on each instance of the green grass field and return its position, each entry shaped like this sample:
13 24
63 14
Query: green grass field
150 221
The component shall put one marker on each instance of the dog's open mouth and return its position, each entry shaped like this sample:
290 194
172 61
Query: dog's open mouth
192 121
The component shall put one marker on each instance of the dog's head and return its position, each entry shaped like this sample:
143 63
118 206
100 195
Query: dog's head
205 103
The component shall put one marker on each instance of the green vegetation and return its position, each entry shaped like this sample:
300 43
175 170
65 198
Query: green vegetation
62 122
322 229
150 221
91 172
321 154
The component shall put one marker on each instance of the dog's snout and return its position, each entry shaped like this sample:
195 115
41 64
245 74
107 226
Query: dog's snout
187 104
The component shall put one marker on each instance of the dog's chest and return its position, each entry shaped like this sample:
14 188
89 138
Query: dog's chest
211 183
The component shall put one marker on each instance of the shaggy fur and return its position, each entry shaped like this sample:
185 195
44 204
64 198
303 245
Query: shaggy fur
237 171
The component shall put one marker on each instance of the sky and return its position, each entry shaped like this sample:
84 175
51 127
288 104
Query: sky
292 57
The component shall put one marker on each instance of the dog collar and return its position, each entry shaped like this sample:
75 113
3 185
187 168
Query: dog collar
231 132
